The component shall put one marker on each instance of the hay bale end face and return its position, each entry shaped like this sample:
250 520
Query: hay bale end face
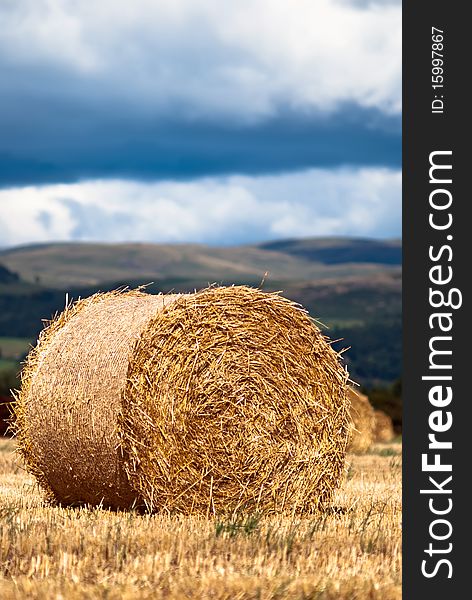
363 422
226 399
71 394
384 431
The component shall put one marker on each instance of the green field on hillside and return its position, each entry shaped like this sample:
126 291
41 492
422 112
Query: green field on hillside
7 365
13 348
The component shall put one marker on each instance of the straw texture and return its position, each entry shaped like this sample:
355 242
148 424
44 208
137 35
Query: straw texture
223 400
383 427
363 422
72 389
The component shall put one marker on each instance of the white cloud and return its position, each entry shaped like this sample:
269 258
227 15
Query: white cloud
222 210
212 58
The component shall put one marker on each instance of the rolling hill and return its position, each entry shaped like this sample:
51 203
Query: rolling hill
353 286
65 265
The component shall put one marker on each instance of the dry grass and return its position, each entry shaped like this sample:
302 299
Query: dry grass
351 552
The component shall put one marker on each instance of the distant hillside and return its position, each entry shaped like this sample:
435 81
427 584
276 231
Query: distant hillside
359 299
7 276
333 251
79 264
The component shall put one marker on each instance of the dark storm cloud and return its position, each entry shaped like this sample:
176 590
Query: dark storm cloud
159 89
46 141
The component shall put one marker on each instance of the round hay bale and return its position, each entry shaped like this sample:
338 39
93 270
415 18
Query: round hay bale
363 422
383 427
226 399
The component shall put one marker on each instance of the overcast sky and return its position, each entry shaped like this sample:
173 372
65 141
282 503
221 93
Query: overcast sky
199 120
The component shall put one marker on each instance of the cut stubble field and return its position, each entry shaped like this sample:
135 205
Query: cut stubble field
351 551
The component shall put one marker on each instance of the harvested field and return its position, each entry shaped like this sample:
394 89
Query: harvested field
351 551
